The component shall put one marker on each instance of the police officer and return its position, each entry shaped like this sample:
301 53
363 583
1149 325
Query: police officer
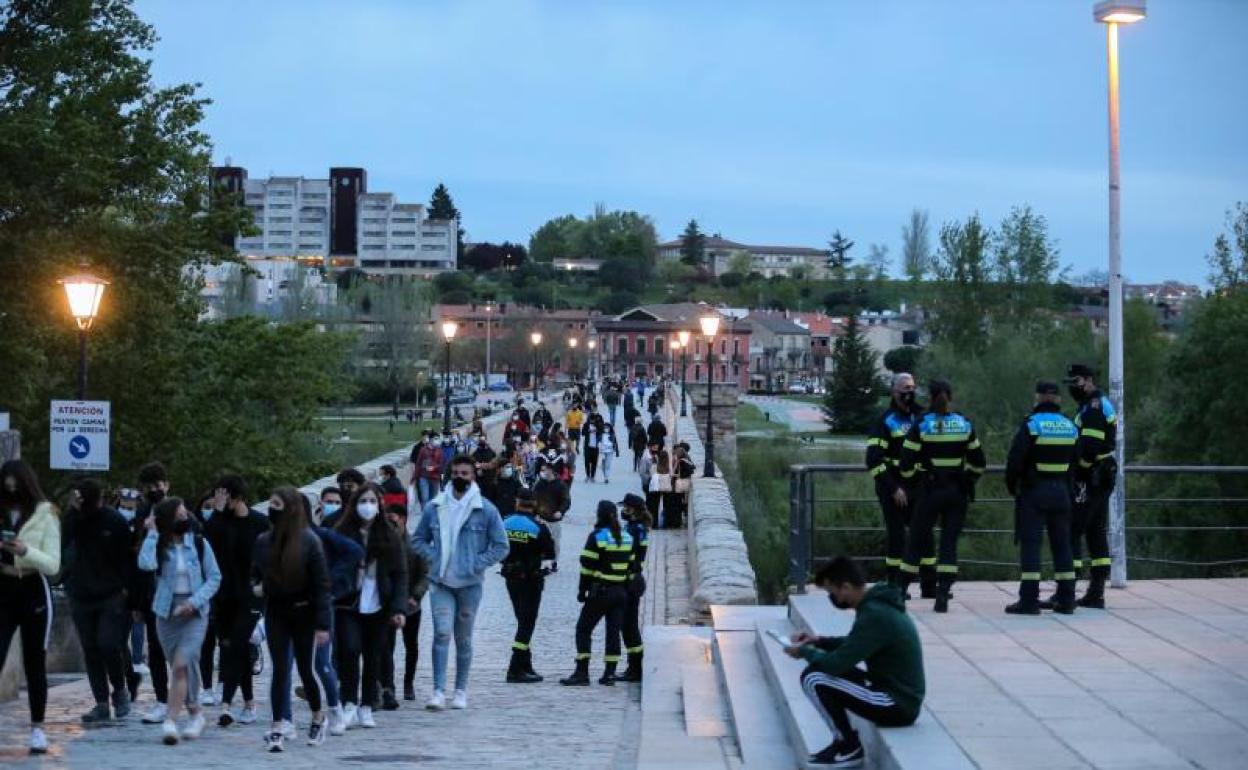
1037 474
605 562
529 561
637 519
1096 471
944 454
897 494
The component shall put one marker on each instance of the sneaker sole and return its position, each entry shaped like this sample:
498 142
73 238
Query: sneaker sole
170 740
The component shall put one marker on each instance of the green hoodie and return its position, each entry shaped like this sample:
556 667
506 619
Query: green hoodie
884 637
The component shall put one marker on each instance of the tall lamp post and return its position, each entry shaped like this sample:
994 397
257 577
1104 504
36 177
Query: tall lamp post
572 343
536 339
591 371
1111 14
710 326
84 292
683 335
489 329
448 333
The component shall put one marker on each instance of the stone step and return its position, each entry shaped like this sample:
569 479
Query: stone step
665 742
762 735
806 729
705 715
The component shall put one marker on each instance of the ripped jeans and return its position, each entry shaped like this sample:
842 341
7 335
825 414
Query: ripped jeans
454 611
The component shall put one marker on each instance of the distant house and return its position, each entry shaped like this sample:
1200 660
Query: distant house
638 343
780 353
768 261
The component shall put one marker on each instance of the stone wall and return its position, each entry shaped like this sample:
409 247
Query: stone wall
719 563
723 415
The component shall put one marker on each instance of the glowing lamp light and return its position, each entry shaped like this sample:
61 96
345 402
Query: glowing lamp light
592 344
572 342
710 325
1119 11
448 330
536 338
84 292
684 336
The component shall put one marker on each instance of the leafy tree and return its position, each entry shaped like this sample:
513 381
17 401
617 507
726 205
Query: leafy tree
903 359
453 287
1025 264
855 387
483 257
740 262
1229 260
442 207
916 248
877 261
838 258
396 340
963 300
693 245
556 239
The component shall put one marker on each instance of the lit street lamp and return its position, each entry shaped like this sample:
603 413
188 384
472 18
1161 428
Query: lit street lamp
683 335
489 328
448 332
536 339
710 326
1111 14
591 370
571 367
84 292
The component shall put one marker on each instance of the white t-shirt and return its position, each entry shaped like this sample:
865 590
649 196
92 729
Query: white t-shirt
370 597
181 572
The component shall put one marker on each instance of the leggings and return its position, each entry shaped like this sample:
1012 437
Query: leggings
26 606
591 461
206 655
234 624
102 630
292 629
359 636
157 666
834 696
411 652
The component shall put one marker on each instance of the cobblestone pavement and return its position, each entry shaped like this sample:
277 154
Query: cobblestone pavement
506 726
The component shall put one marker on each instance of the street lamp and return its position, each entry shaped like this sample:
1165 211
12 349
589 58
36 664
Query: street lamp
536 339
1111 14
591 370
572 343
710 326
489 328
84 292
683 335
448 333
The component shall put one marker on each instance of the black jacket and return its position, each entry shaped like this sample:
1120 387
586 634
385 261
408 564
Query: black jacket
101 563
232 539
657 432
505 492
391 574
417 575
312 596
551 499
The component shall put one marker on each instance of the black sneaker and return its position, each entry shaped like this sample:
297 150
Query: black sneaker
840 754
388 703
316 733
98 714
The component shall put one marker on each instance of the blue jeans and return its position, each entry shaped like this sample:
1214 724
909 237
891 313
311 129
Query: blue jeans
323 662
137 637
454 611
611 411
427 489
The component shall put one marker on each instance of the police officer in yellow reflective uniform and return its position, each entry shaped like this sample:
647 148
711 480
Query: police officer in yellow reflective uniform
1095 476
1037 474
603 592
944 453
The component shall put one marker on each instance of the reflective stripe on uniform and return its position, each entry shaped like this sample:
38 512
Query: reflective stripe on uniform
913 446
519 646
1030 576
891 562
877 470
634 650
948 569
927 561
914 568
1052 467
1103 562
938 438
582 656
1064 576
946 462
877 442
1093 433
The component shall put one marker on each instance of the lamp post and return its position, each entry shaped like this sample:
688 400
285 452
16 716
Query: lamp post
710 326
672 344
84 292
489 324
683 335
590 369
1111 14
448 333
571 368
536 339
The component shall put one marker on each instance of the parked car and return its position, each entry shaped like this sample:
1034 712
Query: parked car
463 395
798 388
499 387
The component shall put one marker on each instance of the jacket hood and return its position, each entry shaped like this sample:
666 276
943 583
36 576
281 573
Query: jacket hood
885 594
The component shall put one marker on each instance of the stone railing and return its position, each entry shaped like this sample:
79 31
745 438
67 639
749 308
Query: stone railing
719 563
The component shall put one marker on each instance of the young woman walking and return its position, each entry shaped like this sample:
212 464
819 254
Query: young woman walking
187 577
30 550
290 575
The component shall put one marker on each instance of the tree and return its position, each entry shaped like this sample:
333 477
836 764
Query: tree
1229 260
740 262
916 248
555 239
1025 264
693 245
878 261
855 388
903 359
962 302
483 257
442 207
838 258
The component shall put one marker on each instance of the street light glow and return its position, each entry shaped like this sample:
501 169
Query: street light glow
448 330
592 344
572 342
536 338
84 292
1119 11
684 336
710 325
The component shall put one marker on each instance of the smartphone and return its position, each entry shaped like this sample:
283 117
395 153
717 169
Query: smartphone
783 640
8 535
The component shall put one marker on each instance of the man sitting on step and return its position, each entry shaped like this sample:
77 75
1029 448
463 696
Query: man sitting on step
890 691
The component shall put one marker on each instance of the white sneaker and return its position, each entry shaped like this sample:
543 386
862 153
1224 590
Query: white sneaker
287 729
437 702
169 732
459 700
350 716
366 717
194 727
247 715
207 698
316 733
38 741
140 668
273 742
337 722
156 715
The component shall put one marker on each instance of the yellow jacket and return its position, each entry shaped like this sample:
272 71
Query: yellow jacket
575 419
42 537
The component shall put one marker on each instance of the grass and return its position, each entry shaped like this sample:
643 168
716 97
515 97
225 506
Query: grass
750 418
368 438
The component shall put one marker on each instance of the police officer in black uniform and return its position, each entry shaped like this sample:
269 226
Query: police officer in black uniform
1037 474
1096 471
637 522
529 561
605 562
896 494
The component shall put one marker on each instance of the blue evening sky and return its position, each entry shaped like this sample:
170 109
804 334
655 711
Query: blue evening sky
770 122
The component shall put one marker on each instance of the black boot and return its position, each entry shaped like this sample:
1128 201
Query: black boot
1023 607
518 672
1094 597
943 584
1064 599
1049 603
580 677
903 582
608 675
928 582
633 672
388 702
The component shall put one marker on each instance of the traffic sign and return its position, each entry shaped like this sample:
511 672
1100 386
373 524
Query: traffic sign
79 435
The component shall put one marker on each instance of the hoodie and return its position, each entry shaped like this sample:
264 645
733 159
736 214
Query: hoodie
884 638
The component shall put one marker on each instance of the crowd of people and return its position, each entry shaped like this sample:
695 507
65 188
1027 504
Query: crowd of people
179 588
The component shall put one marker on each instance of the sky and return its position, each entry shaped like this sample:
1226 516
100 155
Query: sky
770 122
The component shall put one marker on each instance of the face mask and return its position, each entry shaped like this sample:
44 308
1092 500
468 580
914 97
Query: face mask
126 513
1077 394
906 398
367 511
205 514
154 496
276 515
460 484
181 526
547 475
331 508
508 472
837 603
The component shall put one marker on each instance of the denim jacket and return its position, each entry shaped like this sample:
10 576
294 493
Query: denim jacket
204 582
482 543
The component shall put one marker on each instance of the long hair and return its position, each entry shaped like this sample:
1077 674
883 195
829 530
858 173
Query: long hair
382 540
664 462
28 494
608 516
166 513
941 393
286 557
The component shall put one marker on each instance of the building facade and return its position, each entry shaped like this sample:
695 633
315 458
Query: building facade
639 343
767 261
780 354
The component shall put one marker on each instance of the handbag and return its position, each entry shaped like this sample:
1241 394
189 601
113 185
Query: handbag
661 482
682 485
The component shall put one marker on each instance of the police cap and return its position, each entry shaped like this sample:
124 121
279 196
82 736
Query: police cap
1078 370
1046 388
637 502
939 386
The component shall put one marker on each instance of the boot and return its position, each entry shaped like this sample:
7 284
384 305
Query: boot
528 666
633 672
943 584
518 671
409 690
608 675
388 702
580 677
1094 597
928 582
1049 603
1028 599
903 582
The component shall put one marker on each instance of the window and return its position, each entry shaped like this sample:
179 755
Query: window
723 347
275 220
433 247
403 233
281 192
736 347
736 370
480 324
374 247
373 263
433 233
313 233
273 246
283 206
310 246
314 196
658 346
621 346
641 346
279 232
723 373
374 220
697 372
404 246
375 233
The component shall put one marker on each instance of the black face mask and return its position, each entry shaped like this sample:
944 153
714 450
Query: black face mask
154 496
836 603
1078 394
906 399
460 484
181 526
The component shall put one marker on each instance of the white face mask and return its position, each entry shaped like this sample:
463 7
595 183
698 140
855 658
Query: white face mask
126 513
367 511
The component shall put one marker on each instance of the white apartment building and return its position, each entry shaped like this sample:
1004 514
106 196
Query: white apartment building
768 261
